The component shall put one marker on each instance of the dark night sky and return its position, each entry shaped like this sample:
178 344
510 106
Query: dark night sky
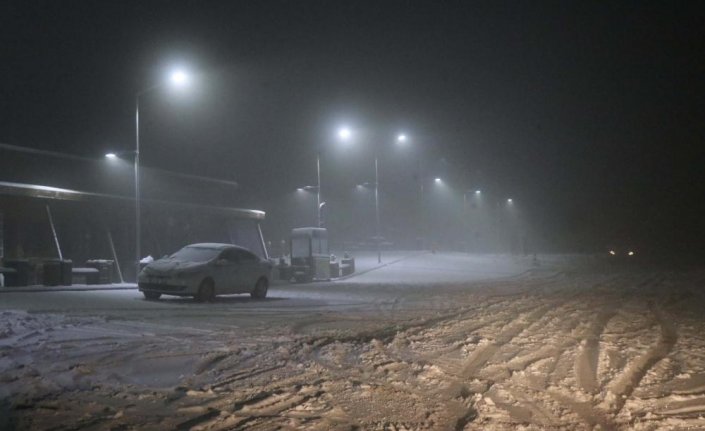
590 113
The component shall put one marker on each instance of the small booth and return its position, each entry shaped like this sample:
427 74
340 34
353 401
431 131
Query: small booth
310 258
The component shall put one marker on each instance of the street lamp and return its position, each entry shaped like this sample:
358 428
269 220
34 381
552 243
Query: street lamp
319 204
344 134
318 189
178 78
466 214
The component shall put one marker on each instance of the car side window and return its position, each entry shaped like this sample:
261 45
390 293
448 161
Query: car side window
230 255
245 256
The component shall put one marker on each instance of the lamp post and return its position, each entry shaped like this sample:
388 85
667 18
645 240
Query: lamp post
401 139
378 238
178 78
319 204
466 214
344 134
318 189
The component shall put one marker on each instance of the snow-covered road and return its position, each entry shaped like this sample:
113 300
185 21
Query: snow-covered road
444 341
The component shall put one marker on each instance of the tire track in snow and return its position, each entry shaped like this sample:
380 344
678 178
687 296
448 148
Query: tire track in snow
588 353
621 388
480 356
584 410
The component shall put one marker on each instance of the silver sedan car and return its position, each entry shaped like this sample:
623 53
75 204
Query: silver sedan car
204 271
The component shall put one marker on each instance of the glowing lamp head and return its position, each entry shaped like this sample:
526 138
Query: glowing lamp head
179 78
510 201
631 253
612 252
438 180
478 192
111 156
344 134
401 138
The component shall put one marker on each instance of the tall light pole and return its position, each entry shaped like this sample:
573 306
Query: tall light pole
318 188
401 139
344 134
178 78
466 212
318 199
378 238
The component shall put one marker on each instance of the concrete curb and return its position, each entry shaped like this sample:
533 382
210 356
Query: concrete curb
374 268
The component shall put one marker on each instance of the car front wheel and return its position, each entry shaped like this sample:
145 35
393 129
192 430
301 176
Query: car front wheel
206 291
151 296
260 291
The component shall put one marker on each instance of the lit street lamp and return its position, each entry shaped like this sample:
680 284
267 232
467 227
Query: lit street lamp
178 78
344 134
318 189
466 214
319 204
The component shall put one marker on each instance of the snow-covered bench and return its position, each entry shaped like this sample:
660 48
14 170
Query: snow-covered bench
85 275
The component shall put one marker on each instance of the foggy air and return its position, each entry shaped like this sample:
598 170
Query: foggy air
373 215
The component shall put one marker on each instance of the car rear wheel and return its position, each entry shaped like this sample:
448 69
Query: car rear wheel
206 291
151 296
260 291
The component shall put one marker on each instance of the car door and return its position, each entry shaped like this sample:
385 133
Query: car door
226 272
248 270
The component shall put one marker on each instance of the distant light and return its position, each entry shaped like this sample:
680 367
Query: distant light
179 78
111 156
631 253
300 189
612 252
477 192
401 138
344 134
438 180
510 200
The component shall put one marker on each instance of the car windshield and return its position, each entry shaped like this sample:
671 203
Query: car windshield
195 254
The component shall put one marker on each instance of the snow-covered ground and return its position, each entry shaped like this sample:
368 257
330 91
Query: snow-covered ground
444 341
